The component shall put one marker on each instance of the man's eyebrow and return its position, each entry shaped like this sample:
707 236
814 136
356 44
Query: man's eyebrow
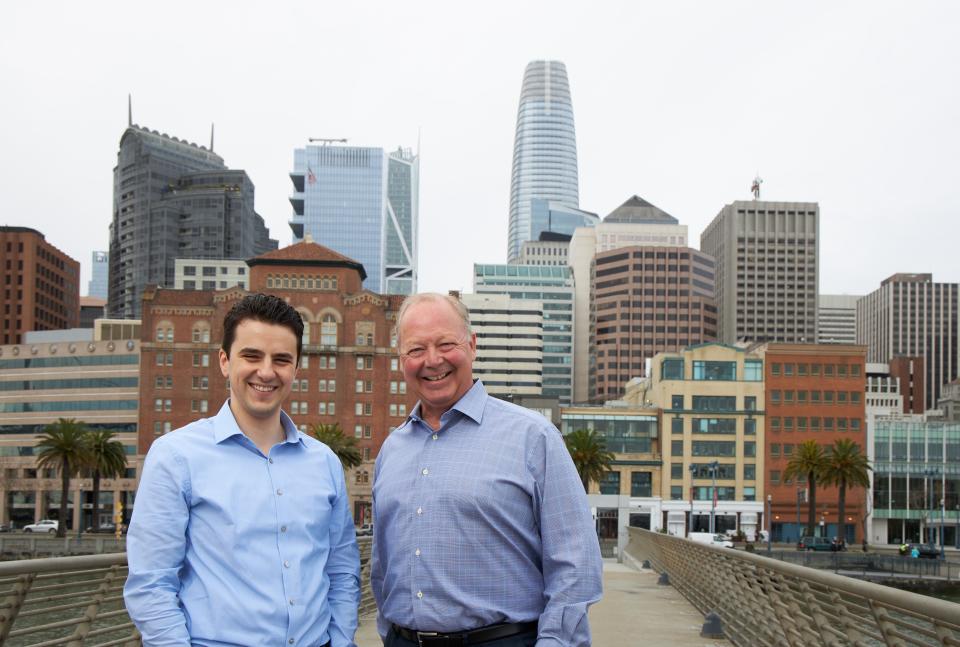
283 355
250 351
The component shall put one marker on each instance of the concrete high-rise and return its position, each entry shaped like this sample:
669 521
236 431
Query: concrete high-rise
174 199
40 287
635 222
552 287
910 315
544 150
837 319
363 203
768 270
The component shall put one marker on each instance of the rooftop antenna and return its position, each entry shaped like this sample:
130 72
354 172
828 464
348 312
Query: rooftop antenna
327 141
211 136
129 109
755 187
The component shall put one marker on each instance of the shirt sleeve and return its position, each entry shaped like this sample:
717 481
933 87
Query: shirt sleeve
572 567
376 564
343 567
156 545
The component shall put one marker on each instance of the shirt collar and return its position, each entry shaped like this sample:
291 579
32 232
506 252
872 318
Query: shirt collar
470 404
225 426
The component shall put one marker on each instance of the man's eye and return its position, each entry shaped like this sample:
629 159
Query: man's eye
415 352
447 346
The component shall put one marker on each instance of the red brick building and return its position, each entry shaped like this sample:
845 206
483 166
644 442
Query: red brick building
812 391
909 370
349 371
39 285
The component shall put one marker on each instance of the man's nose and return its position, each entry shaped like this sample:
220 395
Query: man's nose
433 355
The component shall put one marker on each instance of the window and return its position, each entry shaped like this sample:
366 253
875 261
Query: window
775 450
787 449
676 447
201 359
394 364
676 402
788 423
641 484
750 448
749 472
775 368
328 331
753 370
676 470
322 408
775 477
364 362
749 493
750 402
714 403
788 369
676 426
671 369
676 492
775 397
750 427
714 371
610 483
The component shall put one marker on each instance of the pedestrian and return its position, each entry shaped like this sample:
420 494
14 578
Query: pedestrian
241 533
482 531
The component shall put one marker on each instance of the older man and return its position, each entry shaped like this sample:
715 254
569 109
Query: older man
482 532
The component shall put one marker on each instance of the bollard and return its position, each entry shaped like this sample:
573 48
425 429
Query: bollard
646 564
664 579
712 626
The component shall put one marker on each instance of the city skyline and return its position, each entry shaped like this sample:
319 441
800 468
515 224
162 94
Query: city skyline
844 106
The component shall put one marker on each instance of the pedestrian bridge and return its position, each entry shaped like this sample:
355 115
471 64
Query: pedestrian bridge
749 600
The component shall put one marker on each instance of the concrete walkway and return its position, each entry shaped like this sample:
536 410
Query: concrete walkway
635 610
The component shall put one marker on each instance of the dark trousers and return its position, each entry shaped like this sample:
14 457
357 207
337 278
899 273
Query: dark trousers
528 639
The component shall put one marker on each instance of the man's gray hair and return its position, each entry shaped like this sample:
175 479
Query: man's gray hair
436 297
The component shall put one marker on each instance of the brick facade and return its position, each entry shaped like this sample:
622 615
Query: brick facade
349 371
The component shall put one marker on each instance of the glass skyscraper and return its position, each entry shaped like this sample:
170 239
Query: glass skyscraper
544 149
362 203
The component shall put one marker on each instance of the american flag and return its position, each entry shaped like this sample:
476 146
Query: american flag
311 178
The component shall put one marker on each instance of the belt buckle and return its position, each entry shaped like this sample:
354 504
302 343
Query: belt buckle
426 634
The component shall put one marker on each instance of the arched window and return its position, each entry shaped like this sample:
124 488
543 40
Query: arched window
328 330
201 332
165 331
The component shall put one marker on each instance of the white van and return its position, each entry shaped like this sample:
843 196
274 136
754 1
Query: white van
710 538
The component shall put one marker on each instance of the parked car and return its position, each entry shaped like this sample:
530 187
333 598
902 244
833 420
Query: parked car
44 525
816 543
710 538
6 527
107 529
366 530
927 551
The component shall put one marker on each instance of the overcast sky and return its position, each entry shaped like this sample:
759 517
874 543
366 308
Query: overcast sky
852 105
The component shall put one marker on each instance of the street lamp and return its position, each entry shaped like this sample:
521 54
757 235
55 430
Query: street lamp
769 522
929 473
799 496
713 504
943 511
693 470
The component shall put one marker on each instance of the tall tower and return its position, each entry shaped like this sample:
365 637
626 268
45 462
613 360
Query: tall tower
544 149
363 203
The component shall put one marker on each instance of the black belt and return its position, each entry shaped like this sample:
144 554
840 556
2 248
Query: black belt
457 639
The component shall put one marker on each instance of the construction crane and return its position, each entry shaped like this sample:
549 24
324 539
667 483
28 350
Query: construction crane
327 141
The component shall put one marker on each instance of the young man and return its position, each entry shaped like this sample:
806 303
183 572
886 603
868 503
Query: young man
241 534
482 532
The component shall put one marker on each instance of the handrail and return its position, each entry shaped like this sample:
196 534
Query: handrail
77 601
767 603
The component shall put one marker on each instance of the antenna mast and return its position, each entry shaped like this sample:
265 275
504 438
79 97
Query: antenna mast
327 141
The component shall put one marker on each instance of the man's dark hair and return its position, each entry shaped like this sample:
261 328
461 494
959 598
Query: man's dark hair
266 308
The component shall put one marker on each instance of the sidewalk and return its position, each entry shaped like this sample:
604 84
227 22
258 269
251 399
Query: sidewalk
634 610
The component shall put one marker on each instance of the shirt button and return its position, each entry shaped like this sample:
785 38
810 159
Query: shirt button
419 594
290 641
291 602
283 529
425 471
434 436
417 553
270 460
419 510
279 492
286 564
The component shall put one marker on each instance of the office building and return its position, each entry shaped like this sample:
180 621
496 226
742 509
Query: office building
551 286
552 217
628 494
949 404
99 285
85 375
634 223
544 150
768 270
813 392
910 315
552 249
173 199
210 274
837 319
644 301
40 285
712 398
916 484
349 370
91 309
364 203
510 342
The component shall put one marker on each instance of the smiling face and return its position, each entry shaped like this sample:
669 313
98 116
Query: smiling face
437 354
261 367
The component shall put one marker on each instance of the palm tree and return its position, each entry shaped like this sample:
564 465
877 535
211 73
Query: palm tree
63 447
344 446
845 466
107 460
807 462
590 456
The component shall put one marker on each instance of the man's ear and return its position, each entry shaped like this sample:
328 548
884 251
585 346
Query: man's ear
224 363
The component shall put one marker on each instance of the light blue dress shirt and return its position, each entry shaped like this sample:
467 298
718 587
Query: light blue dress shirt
231 547
481 522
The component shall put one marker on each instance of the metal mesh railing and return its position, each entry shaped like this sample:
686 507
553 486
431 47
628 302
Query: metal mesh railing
765 603
78 601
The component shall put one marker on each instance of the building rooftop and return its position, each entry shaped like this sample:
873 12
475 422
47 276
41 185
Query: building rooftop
636 210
